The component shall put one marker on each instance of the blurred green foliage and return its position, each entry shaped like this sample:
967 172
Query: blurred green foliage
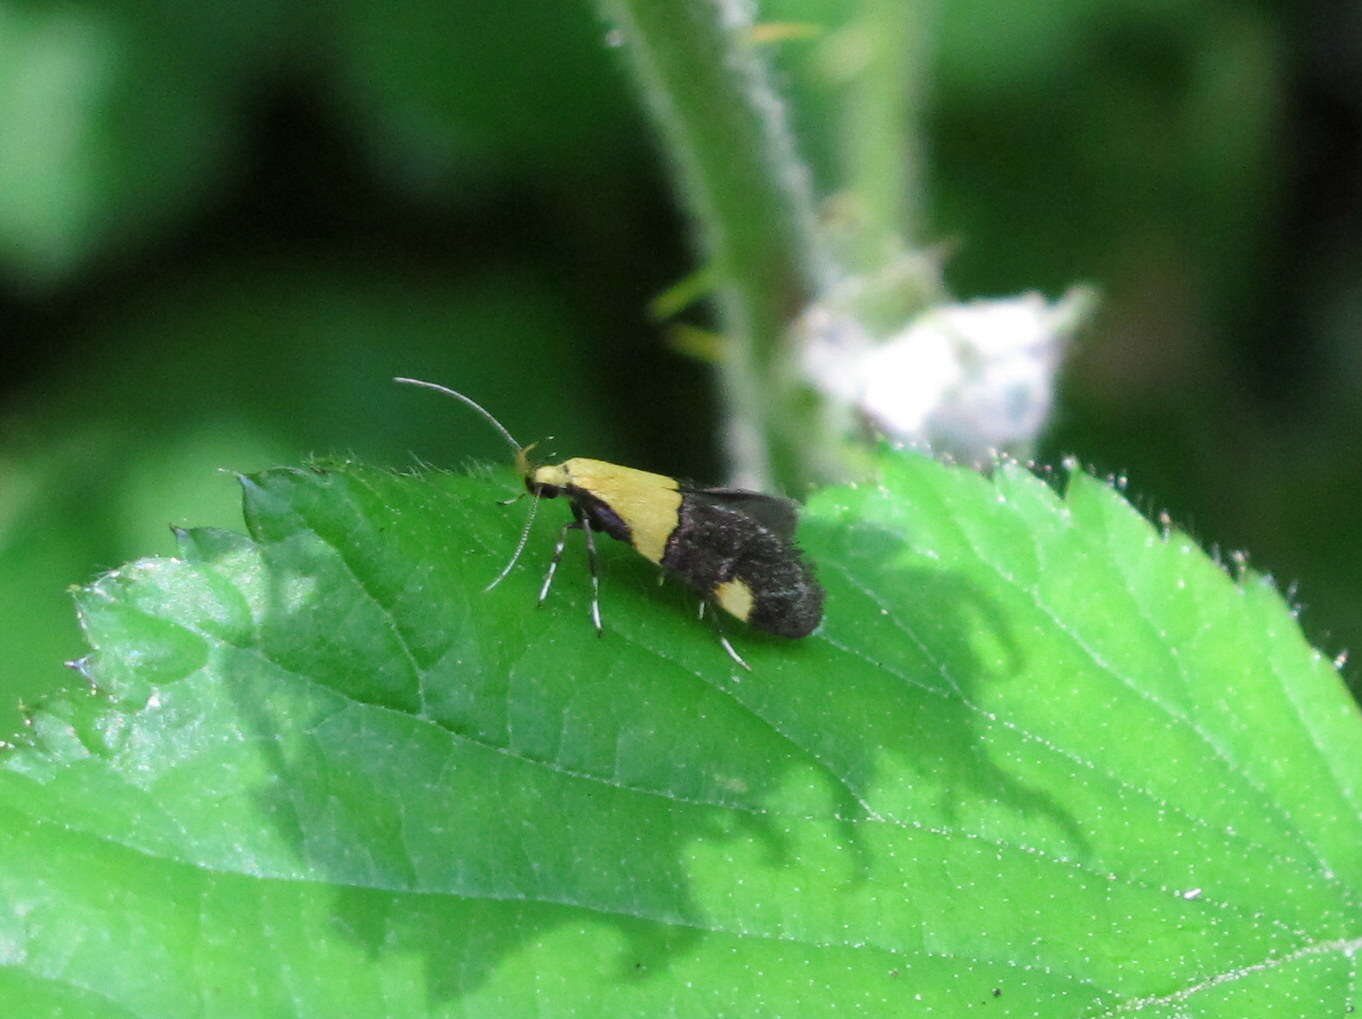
259 362
223 228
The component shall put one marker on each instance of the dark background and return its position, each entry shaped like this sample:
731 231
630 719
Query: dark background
222 231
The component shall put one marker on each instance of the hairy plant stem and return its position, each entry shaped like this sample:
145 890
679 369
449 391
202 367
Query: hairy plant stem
725 130
882 114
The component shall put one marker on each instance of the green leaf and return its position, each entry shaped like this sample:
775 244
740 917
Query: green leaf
1039 758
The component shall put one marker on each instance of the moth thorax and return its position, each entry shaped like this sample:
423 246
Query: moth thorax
547 479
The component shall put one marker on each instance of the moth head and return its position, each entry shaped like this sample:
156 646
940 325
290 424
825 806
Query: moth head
546 480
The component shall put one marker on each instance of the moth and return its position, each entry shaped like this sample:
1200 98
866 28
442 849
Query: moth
735 548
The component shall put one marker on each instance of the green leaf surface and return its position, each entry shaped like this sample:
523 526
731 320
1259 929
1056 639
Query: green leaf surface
1040 759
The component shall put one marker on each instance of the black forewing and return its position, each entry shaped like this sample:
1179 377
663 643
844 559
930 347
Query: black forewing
729 534
771 511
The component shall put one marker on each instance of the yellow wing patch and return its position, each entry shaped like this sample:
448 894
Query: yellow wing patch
735 597
649 503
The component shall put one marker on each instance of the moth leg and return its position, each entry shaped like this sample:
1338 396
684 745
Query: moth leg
557 557
733 654
723 641
513 499
585 524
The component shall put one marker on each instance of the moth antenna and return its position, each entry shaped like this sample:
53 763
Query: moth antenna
520 545
515 446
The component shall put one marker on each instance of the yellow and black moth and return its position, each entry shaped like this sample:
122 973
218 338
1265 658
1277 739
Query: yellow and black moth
733 547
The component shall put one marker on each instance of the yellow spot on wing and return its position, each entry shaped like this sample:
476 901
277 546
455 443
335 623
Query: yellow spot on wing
736 597
649 503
